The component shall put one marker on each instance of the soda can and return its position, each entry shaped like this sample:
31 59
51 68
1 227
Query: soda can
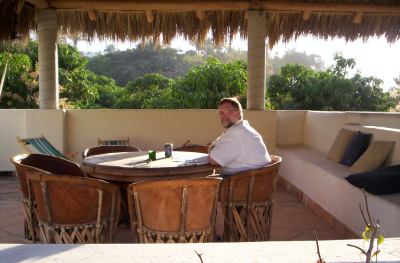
168 147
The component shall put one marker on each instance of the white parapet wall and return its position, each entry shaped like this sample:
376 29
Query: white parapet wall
71 131
232 252
290 127
28 124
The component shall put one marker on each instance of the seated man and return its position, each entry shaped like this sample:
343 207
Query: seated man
240 147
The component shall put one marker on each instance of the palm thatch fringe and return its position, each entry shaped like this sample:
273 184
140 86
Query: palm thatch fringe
285 26
165 26
17 19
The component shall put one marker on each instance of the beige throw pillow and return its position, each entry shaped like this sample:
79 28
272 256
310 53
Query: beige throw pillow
373 157
339 145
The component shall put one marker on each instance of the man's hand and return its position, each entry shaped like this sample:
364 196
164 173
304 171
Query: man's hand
210 146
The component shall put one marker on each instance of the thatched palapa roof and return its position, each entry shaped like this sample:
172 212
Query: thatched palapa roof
163 20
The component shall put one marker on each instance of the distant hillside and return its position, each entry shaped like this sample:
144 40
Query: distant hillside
129 65
125 66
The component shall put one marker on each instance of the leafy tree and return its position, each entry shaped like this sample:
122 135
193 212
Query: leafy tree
149 80
21 81
77 84
299 87
205 85
342 65
125 66
150 91
287 90
153 98
395 94
294 57
110 49
110 95
223 53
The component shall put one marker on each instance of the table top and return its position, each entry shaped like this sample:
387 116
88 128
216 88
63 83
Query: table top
135 166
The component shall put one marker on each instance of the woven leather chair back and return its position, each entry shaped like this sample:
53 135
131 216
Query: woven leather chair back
174 211
74 210
36 163
107 149
247 201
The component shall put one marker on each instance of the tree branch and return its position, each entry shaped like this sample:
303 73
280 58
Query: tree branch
199 255
367 208
319 254
362 251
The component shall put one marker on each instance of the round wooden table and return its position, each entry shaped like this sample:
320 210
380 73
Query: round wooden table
129 167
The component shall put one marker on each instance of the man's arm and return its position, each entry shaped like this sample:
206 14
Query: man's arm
212 161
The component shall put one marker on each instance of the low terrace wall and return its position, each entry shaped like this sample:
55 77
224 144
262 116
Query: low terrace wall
74 130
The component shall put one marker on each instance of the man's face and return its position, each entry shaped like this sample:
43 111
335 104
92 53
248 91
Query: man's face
228 115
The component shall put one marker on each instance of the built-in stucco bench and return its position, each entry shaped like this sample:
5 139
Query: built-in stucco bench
321 183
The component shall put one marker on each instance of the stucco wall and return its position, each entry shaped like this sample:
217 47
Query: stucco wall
382 119
150 129
12 123
72 131
321 128
28 123
290 127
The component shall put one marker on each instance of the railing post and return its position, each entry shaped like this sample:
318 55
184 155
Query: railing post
256 55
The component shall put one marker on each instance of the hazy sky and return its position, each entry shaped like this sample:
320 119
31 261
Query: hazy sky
374 57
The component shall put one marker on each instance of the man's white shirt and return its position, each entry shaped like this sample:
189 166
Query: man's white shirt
240 148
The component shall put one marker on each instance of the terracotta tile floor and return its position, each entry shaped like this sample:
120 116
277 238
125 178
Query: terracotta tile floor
291 220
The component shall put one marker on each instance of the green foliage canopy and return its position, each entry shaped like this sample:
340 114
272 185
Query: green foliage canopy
194 80
125 66
205 85
21 83
299 87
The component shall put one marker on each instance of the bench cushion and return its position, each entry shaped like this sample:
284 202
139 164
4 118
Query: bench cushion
379 182
340 144
373 157
356 147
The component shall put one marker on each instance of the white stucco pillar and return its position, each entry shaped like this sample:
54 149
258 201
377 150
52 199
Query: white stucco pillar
256 55
48 58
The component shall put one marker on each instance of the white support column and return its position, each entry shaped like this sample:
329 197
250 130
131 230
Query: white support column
48 58
256 54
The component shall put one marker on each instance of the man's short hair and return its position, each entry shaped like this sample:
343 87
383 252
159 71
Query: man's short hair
234 102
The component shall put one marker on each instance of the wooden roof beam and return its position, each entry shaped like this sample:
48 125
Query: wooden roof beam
366 8
39 3
210 5
142 5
